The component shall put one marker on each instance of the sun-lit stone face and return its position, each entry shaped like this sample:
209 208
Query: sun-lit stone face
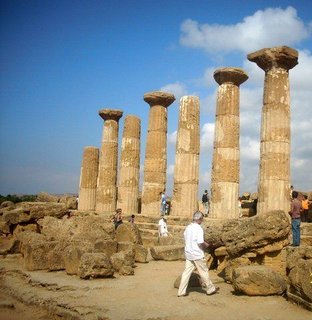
232 75
159 98
110 114
282 57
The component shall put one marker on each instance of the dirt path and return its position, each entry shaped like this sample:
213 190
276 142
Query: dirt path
149 294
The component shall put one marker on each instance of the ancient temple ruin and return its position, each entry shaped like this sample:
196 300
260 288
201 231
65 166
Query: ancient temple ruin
129 169
155 164
88 179
274 172
226 152
186 169
106 193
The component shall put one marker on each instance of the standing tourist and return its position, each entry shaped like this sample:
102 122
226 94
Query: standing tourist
117 219
162 227
295 209
163 202
205 202
305 209
194 255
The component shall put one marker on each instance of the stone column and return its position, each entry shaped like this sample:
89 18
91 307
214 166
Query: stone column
107 177
88 179
186 169
129 171
156 151
274 171
225 162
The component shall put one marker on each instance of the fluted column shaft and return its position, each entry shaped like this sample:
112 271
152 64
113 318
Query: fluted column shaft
186 169
274 171
155 164
129 172
107 177
88 179
226 152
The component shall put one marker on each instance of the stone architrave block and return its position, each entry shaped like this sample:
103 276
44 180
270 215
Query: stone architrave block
72 256
168 253
95 265
55 256
35 254
258 281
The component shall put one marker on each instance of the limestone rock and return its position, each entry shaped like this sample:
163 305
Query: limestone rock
9 245
72 256
7 204
123 262
95 265
128 232
169 253
35 254
105 246
46 197
55 256
258 281
299 265
140 252
256 232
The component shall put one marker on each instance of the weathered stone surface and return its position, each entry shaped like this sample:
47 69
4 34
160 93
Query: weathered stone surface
166 241
46 197
35 254
32 227
28 237
140 252
128 232
9 245
7 204
105 246
55 256
299 266
95 265
243 235
71 257
123 262
69 201
169 253
106 192
258 281
226 156
88 179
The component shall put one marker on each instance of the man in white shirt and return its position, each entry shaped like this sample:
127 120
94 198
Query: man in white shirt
162 227
194 255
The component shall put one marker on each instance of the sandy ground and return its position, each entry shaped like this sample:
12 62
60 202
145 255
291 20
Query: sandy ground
148 295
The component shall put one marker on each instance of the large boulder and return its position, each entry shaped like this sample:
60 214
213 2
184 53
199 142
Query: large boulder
72 256
95 265
140 252
255 280
123 262
299 266
106 246
169 253
46 197
35 254
128 232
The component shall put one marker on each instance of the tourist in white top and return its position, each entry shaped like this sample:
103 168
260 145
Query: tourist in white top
162 227
194 255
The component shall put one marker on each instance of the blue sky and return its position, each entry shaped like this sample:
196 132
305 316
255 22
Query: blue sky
62 61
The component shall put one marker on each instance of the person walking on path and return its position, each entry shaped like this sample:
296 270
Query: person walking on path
205 202
162 227
295 210
194 255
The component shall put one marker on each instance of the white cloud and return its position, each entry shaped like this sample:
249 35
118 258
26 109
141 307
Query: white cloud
172 138
265 28
177 88
207 136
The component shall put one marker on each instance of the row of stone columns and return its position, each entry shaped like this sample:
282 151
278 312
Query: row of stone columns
274 172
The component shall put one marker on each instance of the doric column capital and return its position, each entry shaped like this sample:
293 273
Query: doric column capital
231 75
160 98
110 114
268 58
